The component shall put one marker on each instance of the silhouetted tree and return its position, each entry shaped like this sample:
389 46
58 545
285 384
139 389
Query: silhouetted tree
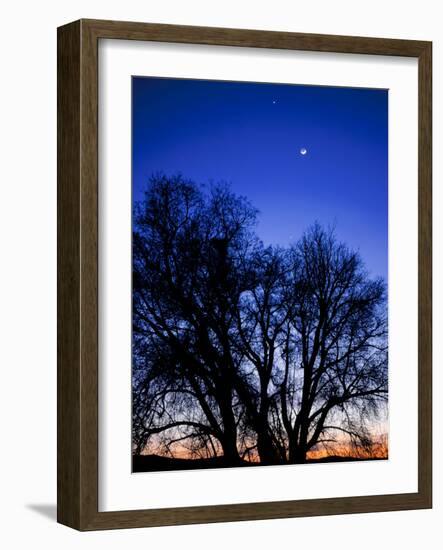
189 270
248 351
262 318
335 351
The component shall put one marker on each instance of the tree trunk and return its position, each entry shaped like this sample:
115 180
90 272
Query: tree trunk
230 451
229 438
266 449
297 454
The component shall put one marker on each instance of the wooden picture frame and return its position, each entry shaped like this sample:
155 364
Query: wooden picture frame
78 274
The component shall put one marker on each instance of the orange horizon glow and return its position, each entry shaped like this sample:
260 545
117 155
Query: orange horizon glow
378 450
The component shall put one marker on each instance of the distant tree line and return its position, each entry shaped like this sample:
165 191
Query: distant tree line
245 351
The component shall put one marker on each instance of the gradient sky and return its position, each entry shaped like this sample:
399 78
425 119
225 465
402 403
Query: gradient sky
250 136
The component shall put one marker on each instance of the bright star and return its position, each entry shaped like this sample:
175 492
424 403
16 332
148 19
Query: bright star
303 151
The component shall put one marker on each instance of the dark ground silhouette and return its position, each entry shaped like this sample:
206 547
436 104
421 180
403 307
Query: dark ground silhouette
155 463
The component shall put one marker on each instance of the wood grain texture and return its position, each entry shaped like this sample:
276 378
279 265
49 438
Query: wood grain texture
425 274
78 272
254 38
68 275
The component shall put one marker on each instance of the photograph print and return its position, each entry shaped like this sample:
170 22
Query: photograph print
259 273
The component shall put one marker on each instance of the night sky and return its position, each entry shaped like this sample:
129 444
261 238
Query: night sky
251 136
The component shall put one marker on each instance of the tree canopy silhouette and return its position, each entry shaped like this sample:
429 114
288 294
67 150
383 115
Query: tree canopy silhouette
245 351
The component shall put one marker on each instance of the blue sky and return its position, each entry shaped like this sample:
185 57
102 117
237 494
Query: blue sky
250 135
